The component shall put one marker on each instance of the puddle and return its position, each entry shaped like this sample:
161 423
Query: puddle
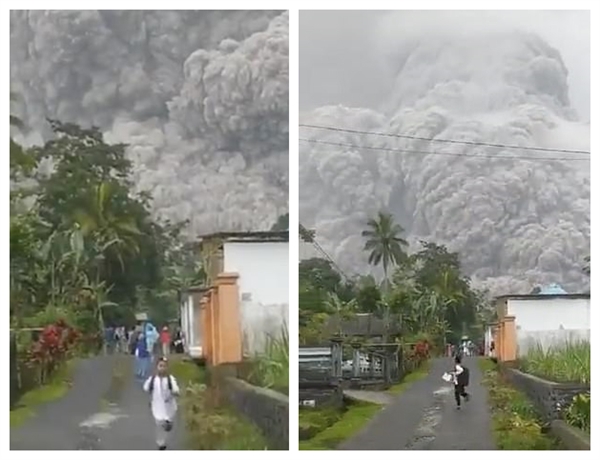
102 419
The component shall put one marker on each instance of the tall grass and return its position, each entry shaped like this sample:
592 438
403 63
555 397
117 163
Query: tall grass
270 369
566 363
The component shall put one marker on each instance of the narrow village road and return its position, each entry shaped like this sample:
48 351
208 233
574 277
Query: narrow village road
424 417
94 415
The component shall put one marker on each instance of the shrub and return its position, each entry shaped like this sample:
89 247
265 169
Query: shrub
50 350
578 414
215 427
567 363
271 368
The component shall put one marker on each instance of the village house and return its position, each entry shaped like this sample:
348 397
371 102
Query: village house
547 318
244 300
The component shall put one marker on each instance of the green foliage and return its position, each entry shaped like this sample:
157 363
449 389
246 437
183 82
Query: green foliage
312 421
579 412
270 369
515 424
210 424
353 419
384 243
420 372
426 293
84 243
566 363
53 390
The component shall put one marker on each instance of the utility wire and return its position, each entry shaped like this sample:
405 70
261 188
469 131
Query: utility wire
329 258
449 141
422 152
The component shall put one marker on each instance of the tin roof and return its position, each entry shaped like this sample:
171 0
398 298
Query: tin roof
541 296
247 237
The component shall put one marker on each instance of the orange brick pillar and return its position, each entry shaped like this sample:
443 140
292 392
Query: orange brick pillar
214 325
501 341
228 320
510 339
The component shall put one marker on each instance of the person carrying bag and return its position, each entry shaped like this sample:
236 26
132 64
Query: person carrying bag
163 389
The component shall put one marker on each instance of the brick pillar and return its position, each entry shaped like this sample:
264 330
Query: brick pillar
510 339
214 330
501 340
229 324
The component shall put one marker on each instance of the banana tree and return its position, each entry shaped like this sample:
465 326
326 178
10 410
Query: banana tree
342 310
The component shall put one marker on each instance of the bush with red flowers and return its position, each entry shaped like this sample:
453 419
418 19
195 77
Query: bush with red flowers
416 354
52 348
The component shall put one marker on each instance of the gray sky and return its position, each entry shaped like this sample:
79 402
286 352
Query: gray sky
342 53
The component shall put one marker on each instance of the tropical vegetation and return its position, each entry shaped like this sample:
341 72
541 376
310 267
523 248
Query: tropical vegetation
569 362
515 424
423 290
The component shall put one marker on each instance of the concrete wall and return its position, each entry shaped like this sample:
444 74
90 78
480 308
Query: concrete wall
549 322
548 398
262 268
267 409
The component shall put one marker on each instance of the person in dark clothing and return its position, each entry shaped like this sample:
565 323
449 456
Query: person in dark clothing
461 381
178 342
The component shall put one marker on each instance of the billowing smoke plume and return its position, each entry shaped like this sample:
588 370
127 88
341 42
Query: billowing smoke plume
516 222
201 97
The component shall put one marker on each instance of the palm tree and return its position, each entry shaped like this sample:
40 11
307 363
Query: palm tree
384 242
112 233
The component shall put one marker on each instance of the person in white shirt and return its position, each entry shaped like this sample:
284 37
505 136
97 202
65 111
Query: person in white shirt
162 388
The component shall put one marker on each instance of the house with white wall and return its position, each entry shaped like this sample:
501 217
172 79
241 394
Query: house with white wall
245 300
548 318
190 314
261 261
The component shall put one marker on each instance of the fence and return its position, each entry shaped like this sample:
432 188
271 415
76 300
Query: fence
351 362
317 384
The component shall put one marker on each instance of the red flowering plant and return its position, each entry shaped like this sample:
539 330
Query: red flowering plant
416 354
52 348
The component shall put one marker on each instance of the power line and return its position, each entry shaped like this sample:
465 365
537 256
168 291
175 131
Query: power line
449 141
329 258
422 152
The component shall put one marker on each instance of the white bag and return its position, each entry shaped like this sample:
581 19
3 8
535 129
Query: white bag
447 377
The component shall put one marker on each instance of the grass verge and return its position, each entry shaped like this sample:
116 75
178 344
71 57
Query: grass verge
415 375
55 389
515 424
343 425
211 424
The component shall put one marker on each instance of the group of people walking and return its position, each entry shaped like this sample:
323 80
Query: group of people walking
151 349
147 342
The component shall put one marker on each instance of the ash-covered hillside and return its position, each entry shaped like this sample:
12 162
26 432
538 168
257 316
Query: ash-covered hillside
516 222
201 97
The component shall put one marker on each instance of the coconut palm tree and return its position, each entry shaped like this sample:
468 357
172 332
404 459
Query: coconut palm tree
112 233
384 243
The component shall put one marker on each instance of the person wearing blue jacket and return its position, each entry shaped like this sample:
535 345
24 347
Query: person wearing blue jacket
142 358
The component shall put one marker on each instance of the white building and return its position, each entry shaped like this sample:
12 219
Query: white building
546 319
262 264
190 314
